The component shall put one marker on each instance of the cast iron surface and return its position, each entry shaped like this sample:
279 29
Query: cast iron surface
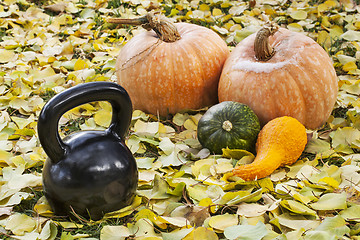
88 172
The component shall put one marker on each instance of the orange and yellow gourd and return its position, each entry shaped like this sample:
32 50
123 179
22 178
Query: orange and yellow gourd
280 142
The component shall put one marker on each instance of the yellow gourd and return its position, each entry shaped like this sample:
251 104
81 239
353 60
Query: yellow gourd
280 143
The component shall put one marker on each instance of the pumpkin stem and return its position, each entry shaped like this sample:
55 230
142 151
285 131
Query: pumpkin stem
262 48
162 26
227 125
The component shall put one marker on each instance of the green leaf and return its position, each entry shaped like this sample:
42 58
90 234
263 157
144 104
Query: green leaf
317 146
319 235
345 136
296 222
297 207
236 197
178 190
331 227
330 201
160 187
246 232
351 35
236 153
351 214
49 231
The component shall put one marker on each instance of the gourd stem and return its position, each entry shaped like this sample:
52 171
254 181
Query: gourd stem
227 125
263 50
162 26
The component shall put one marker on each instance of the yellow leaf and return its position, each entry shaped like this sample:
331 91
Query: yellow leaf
68 225
295 27
6 56
18 224
207 202
4 156
126 210
349 66
357 24
80 64
202 167
217 12
326 6
22 122
330 181
190 125
201 233
148 214
103 118
324 39
177 221
299 15
223 167
325 22
114 232
173 12
204 7
148 128
43 208
67 49
220 222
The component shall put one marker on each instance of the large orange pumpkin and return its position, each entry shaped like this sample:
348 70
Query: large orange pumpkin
277 73
175 67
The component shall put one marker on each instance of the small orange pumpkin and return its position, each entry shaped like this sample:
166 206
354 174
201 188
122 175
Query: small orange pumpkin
277 73
280 142
175 67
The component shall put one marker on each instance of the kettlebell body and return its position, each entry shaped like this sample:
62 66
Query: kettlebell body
89 173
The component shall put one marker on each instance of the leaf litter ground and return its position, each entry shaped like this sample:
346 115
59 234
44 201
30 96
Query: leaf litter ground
184 192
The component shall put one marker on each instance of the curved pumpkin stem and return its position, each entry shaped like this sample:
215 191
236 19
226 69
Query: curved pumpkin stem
163 27
262 47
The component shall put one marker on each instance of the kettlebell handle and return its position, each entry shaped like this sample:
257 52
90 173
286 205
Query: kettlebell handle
75 96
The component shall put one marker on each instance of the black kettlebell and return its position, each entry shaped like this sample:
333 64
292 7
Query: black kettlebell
88 172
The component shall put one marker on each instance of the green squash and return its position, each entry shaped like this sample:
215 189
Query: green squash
228 124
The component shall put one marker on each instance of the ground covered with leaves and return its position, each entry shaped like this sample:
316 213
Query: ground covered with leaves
184 192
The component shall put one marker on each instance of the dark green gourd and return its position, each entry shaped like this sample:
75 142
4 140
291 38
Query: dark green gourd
228 124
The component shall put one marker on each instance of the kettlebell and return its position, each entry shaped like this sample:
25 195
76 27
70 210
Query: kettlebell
89 172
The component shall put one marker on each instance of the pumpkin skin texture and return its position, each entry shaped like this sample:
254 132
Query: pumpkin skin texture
280 142
298 80
228 124
166 77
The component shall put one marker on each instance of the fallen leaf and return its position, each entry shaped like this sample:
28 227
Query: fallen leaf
18 224
245 232
330 201
221 222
